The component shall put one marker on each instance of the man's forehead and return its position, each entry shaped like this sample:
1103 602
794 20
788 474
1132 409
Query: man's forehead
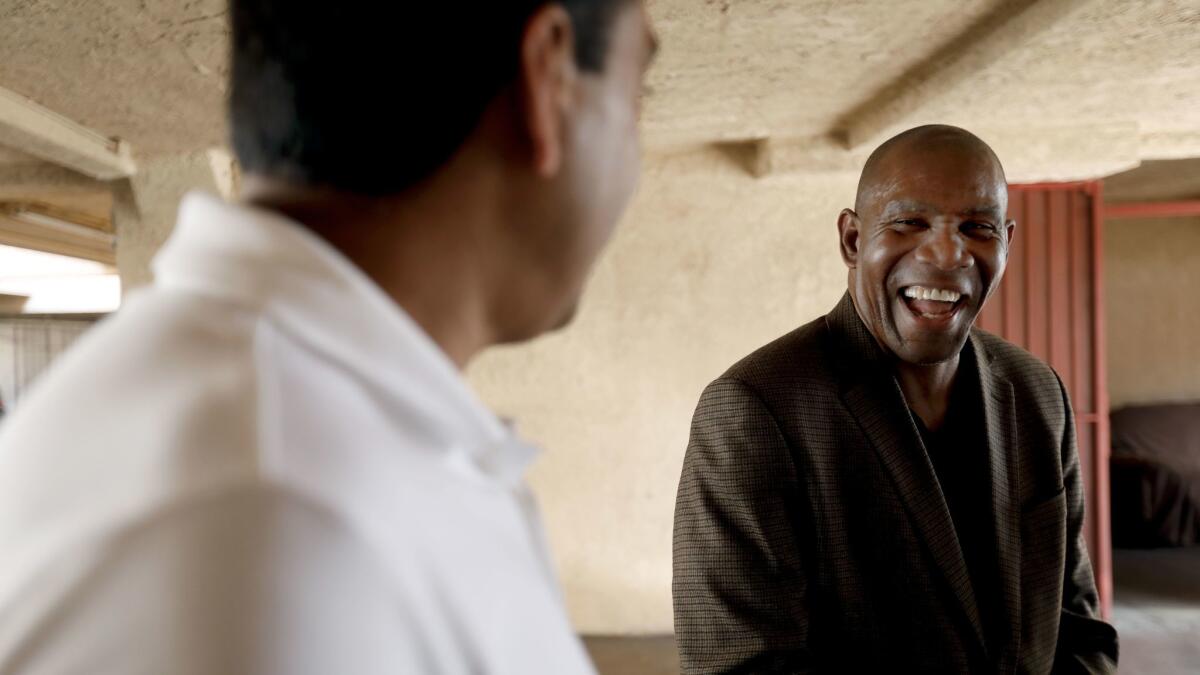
984 205
975 185
935 164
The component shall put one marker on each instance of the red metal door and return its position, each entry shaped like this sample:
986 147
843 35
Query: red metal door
1052 303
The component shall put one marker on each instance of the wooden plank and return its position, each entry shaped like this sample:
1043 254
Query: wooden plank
78 242
15 209
38 131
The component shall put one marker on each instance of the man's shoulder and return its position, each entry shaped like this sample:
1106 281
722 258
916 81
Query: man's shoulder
153 360
1038 388
1014 363
157 400
800 353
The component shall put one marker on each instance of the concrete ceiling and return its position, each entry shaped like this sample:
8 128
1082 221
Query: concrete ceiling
757 68
1156 181
149 71
742 69
1091 87
16 158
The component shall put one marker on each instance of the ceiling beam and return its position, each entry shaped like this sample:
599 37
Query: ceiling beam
38 131
1029 154
50 229
1011 26
27 208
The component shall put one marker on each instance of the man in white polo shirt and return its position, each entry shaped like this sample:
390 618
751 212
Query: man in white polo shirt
268 461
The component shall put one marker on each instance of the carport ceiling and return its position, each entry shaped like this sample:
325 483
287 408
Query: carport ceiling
152 71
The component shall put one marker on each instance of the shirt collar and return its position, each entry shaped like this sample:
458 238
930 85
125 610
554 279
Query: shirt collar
311 292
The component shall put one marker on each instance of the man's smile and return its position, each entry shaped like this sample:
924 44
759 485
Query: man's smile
933 307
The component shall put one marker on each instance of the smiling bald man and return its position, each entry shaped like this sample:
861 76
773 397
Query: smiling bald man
888 489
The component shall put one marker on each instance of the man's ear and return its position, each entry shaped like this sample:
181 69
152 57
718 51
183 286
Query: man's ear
1010 227
848 231
547 80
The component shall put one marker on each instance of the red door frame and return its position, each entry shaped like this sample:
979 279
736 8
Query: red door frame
1051 340
1178 209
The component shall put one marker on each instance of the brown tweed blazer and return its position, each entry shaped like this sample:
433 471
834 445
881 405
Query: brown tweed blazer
811 534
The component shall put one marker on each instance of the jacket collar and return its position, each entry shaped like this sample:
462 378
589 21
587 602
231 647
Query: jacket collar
873 395
309 291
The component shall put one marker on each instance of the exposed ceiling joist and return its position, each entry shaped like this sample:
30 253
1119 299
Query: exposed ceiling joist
52 229
35 130
1061 154
1012 26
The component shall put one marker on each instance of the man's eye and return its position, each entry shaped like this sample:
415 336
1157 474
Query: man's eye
979 228
907 222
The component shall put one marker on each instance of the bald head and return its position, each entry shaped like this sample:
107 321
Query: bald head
913 149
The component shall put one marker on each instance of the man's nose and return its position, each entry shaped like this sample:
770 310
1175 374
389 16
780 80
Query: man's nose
945 248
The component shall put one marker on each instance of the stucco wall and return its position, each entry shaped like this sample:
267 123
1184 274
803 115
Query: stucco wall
1152 275
148 203
708 265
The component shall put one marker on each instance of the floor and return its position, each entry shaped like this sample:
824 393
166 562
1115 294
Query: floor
1157 610
634 655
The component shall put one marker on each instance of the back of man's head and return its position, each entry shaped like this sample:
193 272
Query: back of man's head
371 96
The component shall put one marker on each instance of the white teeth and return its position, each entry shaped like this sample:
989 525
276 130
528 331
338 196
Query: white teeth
922 293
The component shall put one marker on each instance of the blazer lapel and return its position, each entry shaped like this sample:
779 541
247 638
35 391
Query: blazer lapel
874 398
1000 420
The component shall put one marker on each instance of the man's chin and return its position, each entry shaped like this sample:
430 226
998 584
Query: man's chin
925 352
533 327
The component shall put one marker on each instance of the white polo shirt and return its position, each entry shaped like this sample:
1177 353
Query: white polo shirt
263 465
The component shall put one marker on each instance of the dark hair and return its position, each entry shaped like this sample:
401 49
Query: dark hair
372 96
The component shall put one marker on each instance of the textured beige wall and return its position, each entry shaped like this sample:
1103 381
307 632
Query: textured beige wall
1152 275
148 203
708 265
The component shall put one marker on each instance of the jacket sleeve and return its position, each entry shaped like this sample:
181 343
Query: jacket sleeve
1086 644
739 588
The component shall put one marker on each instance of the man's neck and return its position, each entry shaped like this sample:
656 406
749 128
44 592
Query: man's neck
425 259
927 389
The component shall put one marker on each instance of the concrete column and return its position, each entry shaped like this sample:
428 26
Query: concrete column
145 206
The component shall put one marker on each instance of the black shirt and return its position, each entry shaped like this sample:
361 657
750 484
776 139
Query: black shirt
959 454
